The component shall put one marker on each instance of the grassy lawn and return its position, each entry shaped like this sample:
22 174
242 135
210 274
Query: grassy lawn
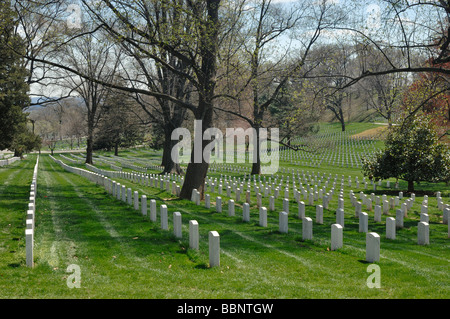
122 254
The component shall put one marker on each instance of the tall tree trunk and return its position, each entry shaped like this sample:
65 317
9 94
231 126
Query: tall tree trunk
410 186
196 172
256 160
90 142
342 119
167 161
209 30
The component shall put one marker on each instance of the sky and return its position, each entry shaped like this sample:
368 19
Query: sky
368 12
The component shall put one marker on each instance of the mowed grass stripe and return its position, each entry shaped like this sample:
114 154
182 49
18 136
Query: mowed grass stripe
14 198
126 267
249 248
95 220
355 244
257 271
9 173
15 181
250 264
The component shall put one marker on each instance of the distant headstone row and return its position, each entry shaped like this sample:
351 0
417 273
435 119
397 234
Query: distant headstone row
167 183
9 161
30 221
121 192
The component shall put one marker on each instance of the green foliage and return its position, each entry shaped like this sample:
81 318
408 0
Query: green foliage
412 153
13 87
25 141
117 128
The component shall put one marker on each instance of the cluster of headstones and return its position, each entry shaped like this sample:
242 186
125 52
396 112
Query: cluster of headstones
130 163
8 161
168 183
77 159
372 239
30 221
311 194
127 195
337 149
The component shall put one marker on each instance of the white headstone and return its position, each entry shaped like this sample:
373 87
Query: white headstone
423 233
144 205
129 197
445 216
424 217
405 209
385 207
207 201
399 218
363 222
340 216
372 247
164 219
307 228
230 207
153 210
246 212
259 199
369 204
301 210
390 228
124 193
136 200
271 203
177 223
319 214
424 209
341 203
218 204
336 236
377 213
283 222
197 197
311 199
193 235
448 230
29 242
30 215
118 188
286 205
358 209
214 249
263 217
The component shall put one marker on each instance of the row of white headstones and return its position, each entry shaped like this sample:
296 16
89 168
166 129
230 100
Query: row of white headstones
121 192
372 239
314 194
30 219
9 161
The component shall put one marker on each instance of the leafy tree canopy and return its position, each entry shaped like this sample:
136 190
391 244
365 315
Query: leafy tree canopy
13 87
412 153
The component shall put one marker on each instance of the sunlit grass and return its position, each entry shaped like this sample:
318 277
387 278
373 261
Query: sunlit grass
122 254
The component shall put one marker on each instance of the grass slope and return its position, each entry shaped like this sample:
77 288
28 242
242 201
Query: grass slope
121 254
